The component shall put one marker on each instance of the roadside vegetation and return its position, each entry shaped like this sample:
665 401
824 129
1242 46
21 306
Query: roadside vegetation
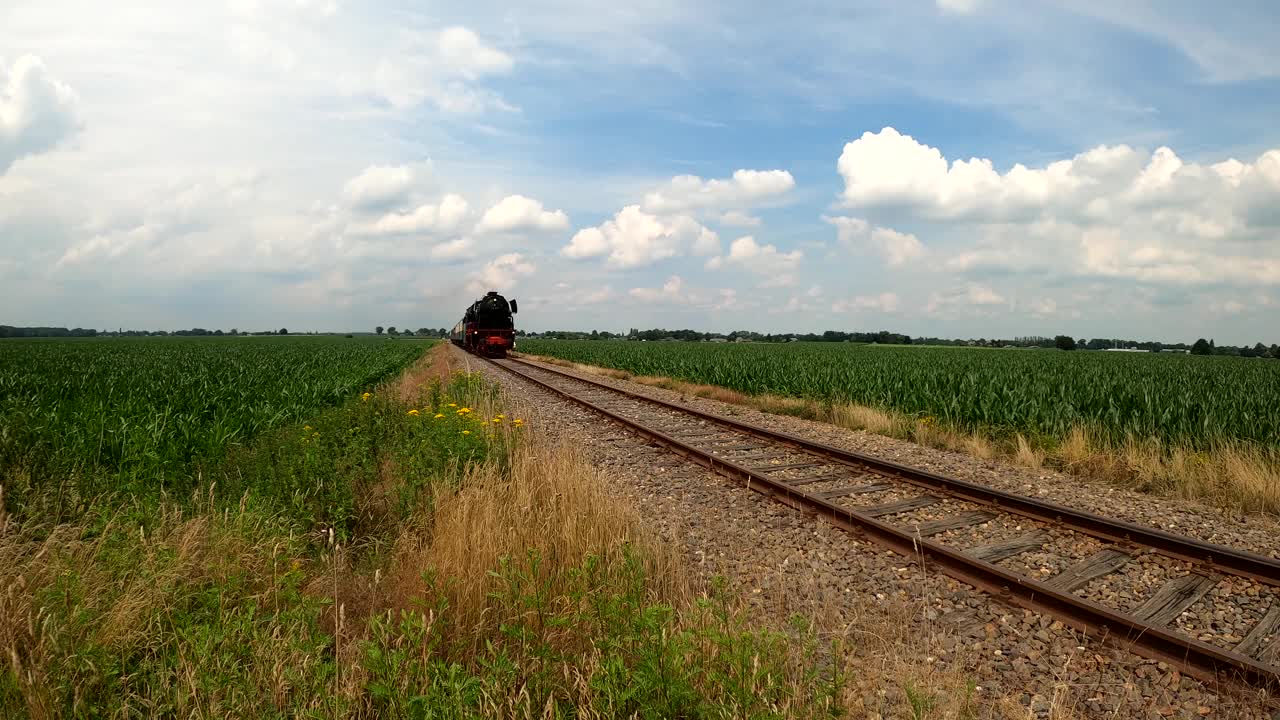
408 549
1202 428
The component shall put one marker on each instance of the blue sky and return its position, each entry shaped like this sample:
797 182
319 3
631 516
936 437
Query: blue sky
940 167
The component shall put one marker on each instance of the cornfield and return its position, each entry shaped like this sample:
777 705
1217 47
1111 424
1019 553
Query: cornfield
144 408
1190 401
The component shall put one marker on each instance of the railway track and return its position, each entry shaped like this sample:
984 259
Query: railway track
973 533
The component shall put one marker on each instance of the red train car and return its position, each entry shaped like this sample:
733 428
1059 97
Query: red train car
487 327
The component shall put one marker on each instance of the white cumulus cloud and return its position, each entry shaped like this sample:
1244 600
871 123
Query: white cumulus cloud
446 74
37 111
685 193
958 6
737 218
444 216
379 187
517 212
501 274
884 302
760 259
634 238
672 291
970 296
897 248
457 249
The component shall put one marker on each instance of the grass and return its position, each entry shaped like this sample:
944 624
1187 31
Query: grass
374 562
84 418
1240 476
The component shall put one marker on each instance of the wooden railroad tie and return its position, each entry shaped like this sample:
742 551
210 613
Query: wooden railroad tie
1103 562
898 506
995 552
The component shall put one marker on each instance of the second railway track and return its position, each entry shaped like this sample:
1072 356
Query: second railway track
974 533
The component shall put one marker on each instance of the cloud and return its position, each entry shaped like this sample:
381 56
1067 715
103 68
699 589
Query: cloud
568 297
517 212
1104 185
379 187
969 296
1109 212
737 218
672 291
501 274
443 217
897 248
445 73
962 7
112 244
685 193
459 249
750 255
462 51
37 111
884 302
634 238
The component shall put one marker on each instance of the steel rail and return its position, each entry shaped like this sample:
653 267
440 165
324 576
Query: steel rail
1209 557
1195 657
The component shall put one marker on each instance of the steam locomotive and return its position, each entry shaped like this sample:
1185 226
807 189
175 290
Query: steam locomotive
487 328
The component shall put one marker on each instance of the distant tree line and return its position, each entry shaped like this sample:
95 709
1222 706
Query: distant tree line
7 331
420 332
882 337
885 337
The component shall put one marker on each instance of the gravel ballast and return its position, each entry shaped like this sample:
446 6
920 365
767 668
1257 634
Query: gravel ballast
907 625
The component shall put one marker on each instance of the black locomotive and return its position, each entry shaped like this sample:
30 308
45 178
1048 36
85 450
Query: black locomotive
487 327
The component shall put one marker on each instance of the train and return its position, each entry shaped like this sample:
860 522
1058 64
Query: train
487 327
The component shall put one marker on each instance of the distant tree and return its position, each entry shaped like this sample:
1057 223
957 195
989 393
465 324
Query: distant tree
1259 350
284 331
218 331
1202 347
378 330
1064 342
235 331
392 330
424 331
408 331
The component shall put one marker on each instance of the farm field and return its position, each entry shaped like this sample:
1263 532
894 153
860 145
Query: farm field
1185 401
138 410
293 524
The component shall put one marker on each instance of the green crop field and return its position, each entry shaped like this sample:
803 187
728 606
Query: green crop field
1190 401
142 409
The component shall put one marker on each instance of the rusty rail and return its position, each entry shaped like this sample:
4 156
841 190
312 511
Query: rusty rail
1193 656
1209 556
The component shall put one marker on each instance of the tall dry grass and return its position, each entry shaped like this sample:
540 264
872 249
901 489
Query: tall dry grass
543 516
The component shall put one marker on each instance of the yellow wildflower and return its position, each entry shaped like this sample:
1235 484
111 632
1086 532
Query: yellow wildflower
307 428
497 420
500 416
463 411
466 432
439 415
453 404
518 422
315 434
364 397
414 412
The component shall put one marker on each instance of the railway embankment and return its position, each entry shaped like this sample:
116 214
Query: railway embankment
913 635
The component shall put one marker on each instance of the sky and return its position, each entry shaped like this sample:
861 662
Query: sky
951 168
